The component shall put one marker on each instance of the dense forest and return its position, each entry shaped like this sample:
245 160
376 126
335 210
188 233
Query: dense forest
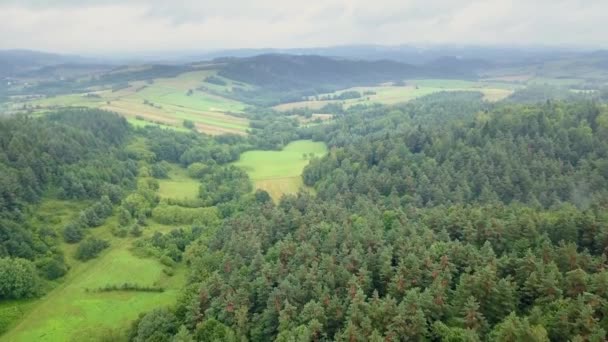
444 219
88 155
76 154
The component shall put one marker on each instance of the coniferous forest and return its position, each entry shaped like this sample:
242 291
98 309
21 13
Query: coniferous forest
444 219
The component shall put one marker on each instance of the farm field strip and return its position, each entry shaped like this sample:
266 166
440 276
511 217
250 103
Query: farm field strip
492 91
169 103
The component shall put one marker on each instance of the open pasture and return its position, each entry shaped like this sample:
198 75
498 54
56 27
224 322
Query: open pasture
390 94
280 172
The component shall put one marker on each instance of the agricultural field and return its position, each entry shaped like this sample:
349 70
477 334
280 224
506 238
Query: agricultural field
280 172
179 185
166 102
390 94
71 311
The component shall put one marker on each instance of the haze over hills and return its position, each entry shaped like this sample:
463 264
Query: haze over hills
412 54
457 60
16 62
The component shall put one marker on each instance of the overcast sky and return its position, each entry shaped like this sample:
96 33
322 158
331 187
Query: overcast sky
97 26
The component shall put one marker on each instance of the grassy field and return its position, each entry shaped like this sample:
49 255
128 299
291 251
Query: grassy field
178 185
166 102
70 313
279 172
387 94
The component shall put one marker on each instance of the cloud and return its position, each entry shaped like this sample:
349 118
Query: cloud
137 25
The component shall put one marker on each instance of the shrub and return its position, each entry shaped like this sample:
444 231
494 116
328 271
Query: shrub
120 231
73 233
170 214
167 261
18 279
215 80
127 287
135 230
90 248
160 170
198 170
52 268
189 124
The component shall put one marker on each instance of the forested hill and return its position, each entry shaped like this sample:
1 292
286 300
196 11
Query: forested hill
14 62
541 155
442 220
291 72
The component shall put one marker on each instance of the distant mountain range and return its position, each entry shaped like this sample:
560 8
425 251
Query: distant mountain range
410 54
14 62
310 65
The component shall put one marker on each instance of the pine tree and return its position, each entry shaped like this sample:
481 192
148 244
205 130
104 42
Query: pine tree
515 329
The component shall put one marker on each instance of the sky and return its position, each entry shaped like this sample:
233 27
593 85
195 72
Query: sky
128 26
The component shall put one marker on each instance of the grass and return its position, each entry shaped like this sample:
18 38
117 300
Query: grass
179 185
68 312
211 113
387 94
279 172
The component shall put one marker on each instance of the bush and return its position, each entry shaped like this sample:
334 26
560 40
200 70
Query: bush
18 279
124 217
135 230
73 233
160 170
52 268
215 80
167 261
90 248
127 287
189 124
172 214
262 196
120 231
198 170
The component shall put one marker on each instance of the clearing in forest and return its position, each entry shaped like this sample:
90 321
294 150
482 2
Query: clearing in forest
179 185
280 172
71 311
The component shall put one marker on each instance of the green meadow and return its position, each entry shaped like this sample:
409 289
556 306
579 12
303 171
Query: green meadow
178 185
280 172
70 311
